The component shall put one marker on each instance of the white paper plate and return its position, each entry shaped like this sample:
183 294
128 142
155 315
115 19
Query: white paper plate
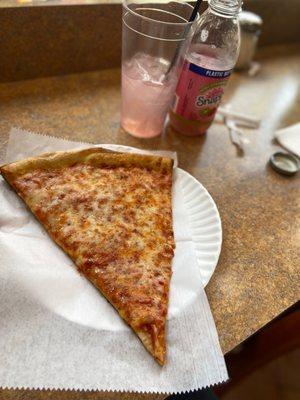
45 280
205 224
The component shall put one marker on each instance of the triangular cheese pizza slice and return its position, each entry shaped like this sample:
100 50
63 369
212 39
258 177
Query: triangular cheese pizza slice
112 214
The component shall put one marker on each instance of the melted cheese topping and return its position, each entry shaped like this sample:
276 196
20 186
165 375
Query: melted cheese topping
116 224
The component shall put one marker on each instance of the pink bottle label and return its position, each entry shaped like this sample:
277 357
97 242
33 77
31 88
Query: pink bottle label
199 92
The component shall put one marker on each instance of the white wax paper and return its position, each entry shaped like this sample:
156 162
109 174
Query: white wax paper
57 331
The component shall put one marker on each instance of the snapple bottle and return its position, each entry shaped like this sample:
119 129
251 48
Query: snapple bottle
208 64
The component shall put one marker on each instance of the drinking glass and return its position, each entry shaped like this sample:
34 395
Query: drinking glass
154 35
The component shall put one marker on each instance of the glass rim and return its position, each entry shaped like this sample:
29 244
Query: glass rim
124 3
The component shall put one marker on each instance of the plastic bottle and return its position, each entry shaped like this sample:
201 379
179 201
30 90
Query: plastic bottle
208 64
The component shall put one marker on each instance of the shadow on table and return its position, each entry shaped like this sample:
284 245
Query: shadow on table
188 148
204 394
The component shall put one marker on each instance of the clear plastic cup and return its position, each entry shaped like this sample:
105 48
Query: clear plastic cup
153 34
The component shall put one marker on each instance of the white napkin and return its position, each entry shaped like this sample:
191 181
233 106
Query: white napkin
57 331
289 138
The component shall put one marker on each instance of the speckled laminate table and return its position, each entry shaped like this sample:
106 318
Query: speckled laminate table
258 272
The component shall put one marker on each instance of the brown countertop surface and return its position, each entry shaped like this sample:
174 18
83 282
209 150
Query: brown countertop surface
257 276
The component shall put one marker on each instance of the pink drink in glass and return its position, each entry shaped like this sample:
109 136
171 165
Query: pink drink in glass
146 95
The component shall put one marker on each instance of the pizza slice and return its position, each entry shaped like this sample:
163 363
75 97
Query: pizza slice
112 214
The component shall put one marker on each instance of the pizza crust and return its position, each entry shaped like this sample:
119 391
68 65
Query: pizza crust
96 156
